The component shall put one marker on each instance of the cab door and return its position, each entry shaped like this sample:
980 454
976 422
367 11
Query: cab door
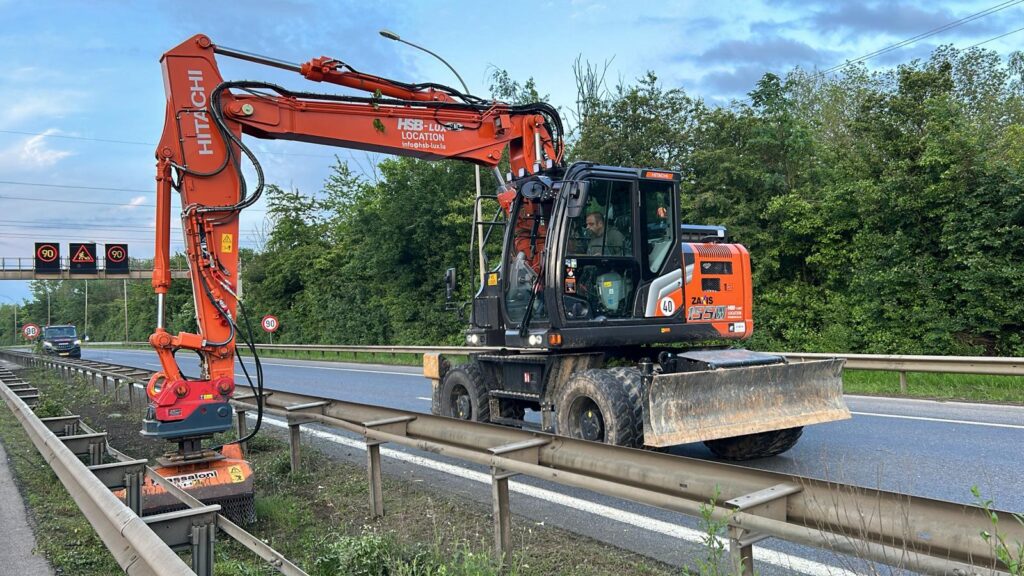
600 270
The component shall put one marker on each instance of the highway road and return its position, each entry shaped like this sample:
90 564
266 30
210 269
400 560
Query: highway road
925 448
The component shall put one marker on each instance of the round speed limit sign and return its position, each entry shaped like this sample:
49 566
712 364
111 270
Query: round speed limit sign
270 323
30 331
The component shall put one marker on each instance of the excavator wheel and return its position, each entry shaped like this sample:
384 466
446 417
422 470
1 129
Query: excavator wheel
600 406
750 446
463 394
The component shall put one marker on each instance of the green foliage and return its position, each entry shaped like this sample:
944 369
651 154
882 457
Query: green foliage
715 560
1010 554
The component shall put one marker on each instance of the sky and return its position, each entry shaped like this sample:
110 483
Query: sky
82 101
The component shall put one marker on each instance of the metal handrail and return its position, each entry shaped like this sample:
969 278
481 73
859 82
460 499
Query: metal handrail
921 534
984 365
134 545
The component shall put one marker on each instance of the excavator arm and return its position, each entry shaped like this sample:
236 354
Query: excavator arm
200 156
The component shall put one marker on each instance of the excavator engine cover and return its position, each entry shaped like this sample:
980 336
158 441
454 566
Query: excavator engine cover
736 392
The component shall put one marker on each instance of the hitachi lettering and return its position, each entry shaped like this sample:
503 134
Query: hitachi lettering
198 98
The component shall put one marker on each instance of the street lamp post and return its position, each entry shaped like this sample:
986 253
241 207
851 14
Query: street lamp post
479 217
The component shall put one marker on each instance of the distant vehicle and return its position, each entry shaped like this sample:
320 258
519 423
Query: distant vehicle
62 341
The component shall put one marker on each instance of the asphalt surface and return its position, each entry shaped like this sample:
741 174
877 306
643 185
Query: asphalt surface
925 448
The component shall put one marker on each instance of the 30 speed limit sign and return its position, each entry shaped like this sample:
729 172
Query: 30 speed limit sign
30 331
270 323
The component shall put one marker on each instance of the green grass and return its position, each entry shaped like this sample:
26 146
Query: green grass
967 387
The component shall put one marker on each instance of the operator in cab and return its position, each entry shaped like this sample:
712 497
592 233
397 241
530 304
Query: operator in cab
605 240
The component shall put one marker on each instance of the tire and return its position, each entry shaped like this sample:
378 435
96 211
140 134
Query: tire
600 406
760 445
463 394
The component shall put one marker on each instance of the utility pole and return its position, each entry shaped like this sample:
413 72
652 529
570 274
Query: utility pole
125 283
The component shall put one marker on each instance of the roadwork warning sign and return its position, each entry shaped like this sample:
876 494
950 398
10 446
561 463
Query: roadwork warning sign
83 258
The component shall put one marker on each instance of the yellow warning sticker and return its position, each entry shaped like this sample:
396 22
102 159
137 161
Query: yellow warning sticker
492 279
236 474
227 243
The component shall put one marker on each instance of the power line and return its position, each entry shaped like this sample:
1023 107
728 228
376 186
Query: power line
77 187
135 233
995 38
134 143
929 33
119 204
67 137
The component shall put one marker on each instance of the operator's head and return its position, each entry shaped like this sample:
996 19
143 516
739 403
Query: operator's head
595 223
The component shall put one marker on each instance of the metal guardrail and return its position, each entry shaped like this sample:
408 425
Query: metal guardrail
921 534
194 526
983 365
134 545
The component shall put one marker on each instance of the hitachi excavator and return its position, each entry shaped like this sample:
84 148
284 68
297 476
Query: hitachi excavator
591 316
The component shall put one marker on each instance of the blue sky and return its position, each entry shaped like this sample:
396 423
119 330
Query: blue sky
83 96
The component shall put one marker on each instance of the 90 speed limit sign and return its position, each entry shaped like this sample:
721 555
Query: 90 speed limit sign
30 331
270 323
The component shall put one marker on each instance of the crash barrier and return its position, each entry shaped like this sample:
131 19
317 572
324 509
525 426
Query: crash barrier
141 545
910 532
983 365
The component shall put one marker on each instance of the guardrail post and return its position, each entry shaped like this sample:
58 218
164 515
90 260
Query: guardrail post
203 536
375 479
295 420
242 430
195 528
125 475
62 425
903 382
526 451
502 513
398 425
294 433
767 503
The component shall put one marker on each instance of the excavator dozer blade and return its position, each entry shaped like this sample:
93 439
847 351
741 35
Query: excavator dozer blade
696 406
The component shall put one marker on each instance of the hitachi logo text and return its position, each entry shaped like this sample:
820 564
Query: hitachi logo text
198 98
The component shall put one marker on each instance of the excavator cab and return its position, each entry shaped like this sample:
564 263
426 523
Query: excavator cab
599 258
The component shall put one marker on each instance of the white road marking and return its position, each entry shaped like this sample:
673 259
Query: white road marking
939 402
344 369
417 375
427 398
666 528
943 420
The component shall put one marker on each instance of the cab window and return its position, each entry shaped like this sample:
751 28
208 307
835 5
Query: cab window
605 227
601 272
657 222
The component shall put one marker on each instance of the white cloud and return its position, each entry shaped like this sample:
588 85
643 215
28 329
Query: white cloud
135 202
21 108
32 153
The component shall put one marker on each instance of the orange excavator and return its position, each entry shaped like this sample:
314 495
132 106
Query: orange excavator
596 270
